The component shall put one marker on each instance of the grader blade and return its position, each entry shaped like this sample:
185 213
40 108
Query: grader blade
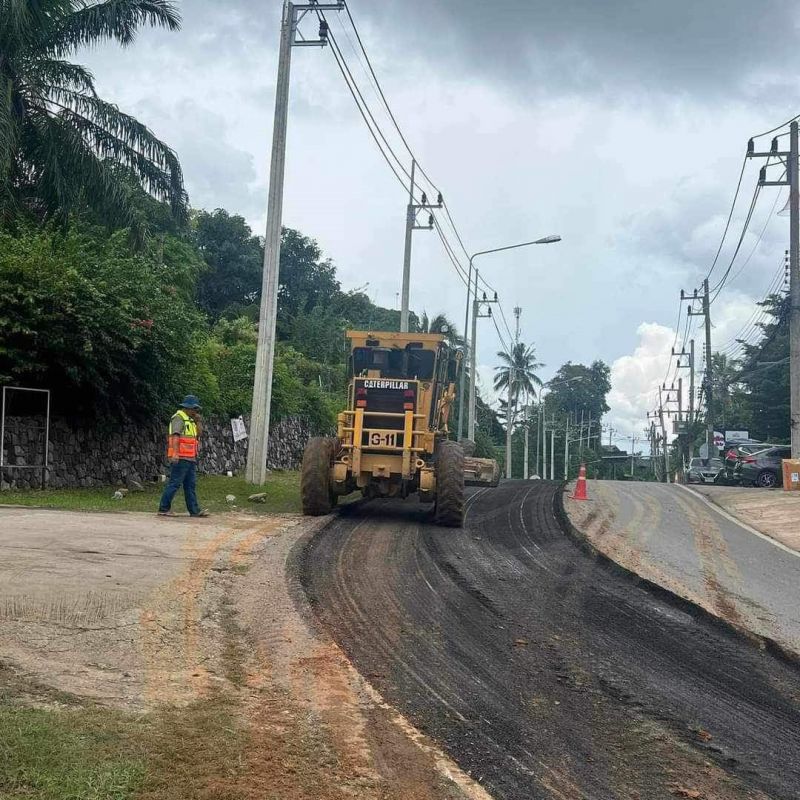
481 472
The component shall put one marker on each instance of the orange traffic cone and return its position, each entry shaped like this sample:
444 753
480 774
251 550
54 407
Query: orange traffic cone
580 486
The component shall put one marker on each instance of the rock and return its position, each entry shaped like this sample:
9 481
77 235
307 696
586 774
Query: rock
118 495
135 486
261 497
230 498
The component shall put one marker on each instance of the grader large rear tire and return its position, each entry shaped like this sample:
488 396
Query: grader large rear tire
449 485
315 477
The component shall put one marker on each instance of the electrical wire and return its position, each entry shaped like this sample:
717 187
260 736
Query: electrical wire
379 137
721 283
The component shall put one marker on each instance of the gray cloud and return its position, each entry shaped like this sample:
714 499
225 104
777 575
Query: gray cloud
607 46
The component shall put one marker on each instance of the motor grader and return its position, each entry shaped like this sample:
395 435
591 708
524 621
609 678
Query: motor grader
392 439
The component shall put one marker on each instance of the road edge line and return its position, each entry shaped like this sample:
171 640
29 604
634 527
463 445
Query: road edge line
714 506
763 643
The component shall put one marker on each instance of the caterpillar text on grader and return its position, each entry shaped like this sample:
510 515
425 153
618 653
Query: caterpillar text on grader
392 440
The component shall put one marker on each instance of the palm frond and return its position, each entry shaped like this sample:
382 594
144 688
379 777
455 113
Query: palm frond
111 19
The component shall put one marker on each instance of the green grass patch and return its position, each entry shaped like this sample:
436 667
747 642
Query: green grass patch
282 490
67 753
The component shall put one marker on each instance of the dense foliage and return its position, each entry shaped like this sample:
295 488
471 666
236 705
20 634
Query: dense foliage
752 392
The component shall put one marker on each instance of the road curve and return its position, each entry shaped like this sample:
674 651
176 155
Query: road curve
543 673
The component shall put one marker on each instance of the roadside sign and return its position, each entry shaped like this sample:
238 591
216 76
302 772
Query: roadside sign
737 436
239 429
719 440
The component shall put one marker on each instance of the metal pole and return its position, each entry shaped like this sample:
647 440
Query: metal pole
794 289
566 451
468 347
46 470
410 216
258 442
553 452
473 365
709 392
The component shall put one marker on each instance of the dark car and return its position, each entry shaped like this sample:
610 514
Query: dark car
733 457
763 468
703 470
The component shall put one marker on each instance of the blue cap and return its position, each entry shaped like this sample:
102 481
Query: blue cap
190 401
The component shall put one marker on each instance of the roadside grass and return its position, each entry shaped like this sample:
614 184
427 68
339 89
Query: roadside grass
282 496
91 753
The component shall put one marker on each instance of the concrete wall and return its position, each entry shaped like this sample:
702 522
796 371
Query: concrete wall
83 454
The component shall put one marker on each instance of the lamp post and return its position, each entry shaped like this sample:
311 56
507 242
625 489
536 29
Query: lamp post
462 381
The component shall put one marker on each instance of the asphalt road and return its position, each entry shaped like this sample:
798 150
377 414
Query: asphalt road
676 537
542 672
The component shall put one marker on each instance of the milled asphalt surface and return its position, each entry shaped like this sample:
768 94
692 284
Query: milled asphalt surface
541 670
678 538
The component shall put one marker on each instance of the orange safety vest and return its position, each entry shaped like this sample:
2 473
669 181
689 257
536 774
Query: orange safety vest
187 441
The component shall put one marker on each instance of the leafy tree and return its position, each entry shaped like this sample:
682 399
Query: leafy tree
234 257
305 280
102 327
61 146
576 387
764 376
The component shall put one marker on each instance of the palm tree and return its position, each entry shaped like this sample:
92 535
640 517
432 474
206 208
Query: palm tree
440 323
61 146
516 375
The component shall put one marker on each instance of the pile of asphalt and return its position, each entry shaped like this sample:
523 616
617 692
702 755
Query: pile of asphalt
543 671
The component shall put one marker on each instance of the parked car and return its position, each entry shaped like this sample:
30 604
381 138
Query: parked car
763 468
733 456
703 470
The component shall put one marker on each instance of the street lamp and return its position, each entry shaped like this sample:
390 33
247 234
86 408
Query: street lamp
462 382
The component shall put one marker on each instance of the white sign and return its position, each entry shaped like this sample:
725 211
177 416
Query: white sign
238 428
737 436
719 440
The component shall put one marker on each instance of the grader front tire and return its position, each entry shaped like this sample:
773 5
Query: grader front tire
315 477
449 485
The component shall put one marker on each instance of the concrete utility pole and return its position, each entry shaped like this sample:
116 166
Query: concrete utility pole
412 213
633 452
553 452
790 158
707 380
566 450
544 448
258 442
525 454
473 355
663 436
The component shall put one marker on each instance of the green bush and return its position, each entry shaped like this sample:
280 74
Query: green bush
101 326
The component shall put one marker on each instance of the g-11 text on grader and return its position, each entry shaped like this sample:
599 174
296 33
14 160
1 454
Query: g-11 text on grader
392 440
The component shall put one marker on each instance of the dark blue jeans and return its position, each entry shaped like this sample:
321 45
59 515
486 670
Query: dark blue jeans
182 472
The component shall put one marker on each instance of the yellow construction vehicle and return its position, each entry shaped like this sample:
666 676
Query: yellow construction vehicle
392 440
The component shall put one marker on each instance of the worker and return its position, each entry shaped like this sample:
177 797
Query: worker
183 438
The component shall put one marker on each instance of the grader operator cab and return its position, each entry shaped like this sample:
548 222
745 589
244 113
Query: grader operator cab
391 441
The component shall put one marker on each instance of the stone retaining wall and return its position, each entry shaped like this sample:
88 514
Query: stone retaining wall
82 454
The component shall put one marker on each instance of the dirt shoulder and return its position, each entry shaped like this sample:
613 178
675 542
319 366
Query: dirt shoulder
183 647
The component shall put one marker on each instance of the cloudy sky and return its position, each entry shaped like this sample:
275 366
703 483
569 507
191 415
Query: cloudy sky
619 125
